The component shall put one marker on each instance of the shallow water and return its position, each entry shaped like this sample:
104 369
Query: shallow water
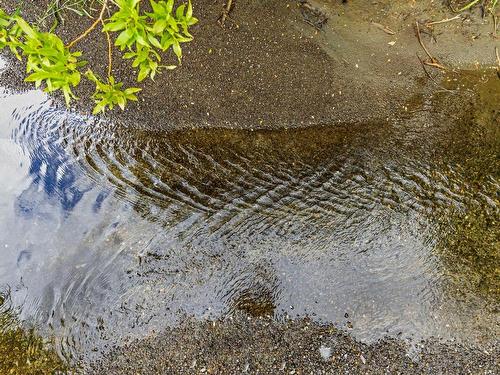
109 233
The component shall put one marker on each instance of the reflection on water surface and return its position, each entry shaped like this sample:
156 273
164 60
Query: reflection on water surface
108 233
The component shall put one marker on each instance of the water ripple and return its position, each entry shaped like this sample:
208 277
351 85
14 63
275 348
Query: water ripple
119 231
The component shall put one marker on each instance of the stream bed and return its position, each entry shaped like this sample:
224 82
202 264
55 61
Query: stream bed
108 233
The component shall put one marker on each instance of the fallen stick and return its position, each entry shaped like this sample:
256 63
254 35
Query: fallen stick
225 12
423 67
433 62
443 21
385 29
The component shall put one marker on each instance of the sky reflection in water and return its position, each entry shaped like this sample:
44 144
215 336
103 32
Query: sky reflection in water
108 233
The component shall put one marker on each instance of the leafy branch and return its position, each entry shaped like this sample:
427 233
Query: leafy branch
142 36
145 35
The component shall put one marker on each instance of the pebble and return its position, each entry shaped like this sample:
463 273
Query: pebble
326 352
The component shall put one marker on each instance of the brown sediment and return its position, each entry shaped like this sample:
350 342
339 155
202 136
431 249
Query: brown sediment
23 351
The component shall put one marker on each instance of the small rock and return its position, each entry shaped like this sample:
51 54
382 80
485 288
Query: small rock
326 352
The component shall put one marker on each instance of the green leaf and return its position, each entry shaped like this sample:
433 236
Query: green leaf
129 55
154 41
100 107
115 26
192 21
121 101
177 50
189 13
140 39
170 6
143 73
179 13
27 29
91 76
132 90
67 95
173 24
124 38
159 26
155 6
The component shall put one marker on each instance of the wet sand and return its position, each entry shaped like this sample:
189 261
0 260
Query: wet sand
242 344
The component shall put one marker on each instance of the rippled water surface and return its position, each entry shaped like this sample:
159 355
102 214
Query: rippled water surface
108 233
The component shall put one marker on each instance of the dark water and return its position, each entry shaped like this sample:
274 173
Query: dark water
108 233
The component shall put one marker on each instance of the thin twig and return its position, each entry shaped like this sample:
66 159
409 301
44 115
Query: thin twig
443 21
443 89
226 11
385 29
110 52
435 65
92 27
498 62
467 6
423 67
421 43
433 62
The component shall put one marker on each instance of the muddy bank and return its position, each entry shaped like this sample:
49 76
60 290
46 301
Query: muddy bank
272 68
242 344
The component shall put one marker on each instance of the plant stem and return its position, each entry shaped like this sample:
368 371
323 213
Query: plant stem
92 27
442 21
467 6
110 52
226 11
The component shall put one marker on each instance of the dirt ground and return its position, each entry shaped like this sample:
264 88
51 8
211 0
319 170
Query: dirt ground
272 67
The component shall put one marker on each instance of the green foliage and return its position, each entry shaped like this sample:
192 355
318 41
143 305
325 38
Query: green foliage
142 36
108 95
48 60
4 25
9 32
